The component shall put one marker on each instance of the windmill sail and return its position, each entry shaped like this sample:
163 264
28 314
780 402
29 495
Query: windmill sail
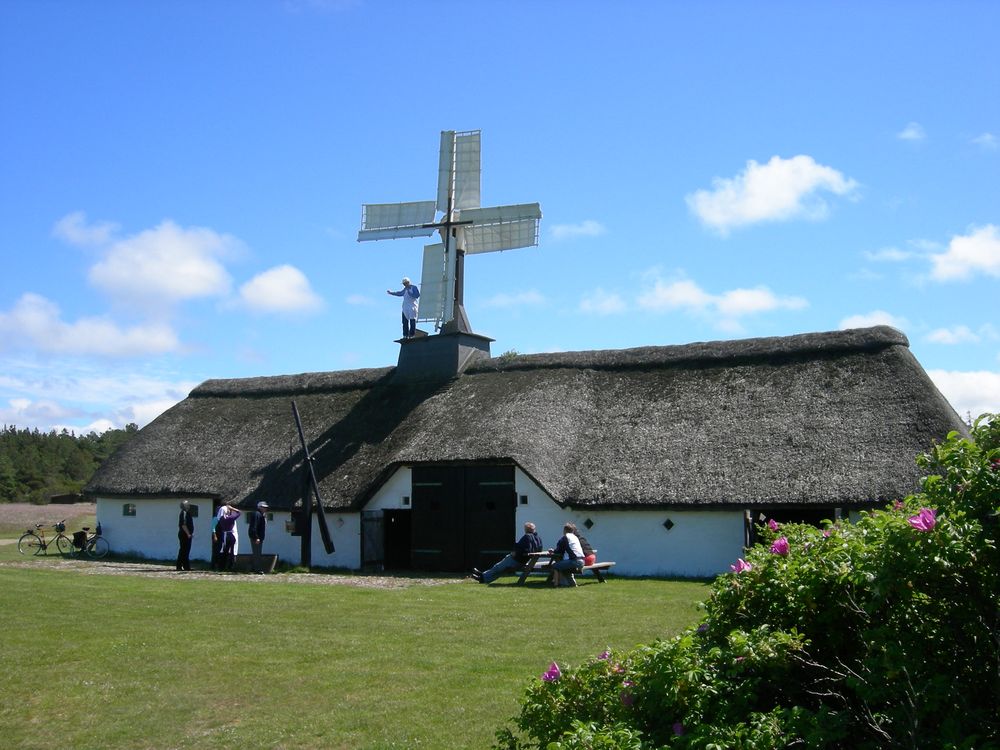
459 170
389 221
501 227
433 283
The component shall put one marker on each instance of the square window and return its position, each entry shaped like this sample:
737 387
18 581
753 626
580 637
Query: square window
128 509
523 499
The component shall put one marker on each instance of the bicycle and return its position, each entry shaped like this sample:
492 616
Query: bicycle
33 542
94 544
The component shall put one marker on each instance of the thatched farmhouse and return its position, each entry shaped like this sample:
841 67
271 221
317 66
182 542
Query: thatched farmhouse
666 455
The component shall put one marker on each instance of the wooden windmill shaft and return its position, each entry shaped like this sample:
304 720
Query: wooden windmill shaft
309 490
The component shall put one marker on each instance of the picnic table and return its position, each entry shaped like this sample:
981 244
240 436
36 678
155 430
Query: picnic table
541 562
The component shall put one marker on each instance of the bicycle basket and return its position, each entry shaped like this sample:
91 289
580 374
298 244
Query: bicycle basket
60 527
79 539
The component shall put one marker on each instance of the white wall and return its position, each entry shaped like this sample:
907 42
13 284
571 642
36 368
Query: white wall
700 543
394 494
152 533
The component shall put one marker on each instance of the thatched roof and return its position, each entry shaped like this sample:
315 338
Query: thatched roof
826 418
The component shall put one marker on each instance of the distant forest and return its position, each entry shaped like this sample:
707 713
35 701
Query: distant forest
35 466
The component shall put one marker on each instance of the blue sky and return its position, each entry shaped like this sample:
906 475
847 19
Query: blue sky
181 183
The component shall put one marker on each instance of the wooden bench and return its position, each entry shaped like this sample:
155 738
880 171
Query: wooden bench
244 563
599 569
534 565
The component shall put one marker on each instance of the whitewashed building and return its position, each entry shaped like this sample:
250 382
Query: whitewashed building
663 456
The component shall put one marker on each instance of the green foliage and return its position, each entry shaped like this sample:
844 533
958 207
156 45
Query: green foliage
880 633
36 465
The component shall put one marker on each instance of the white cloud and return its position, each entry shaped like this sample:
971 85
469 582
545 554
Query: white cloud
600 302
521 299
780 190
986 141
359 299
913 131
976 252
888 255
282 289
874 318
953 335
683 294
726 308
35 322
81 398
588 228
74 229
739 302
970 393
166 264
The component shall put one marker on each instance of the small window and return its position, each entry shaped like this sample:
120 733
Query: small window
128 509
406 500
523 499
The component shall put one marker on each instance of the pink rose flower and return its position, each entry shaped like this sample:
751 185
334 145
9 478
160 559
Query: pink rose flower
773 525
925 520
740 566
780 546
552 674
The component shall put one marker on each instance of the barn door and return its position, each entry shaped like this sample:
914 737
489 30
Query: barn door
463 516
437 518
490 504
372 536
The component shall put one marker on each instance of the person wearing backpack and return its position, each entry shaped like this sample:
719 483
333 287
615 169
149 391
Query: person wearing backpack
589 553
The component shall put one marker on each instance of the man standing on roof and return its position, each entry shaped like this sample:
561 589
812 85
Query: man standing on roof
411 302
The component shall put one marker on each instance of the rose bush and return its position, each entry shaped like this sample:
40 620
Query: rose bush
880 633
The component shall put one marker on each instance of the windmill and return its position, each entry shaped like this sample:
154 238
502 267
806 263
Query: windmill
465 228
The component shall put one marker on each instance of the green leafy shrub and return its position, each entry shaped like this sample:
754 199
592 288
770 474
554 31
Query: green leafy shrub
880 633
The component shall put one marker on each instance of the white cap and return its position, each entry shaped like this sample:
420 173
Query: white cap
406 279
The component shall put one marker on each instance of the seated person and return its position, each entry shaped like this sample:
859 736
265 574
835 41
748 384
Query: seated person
568 556
589 553
530 542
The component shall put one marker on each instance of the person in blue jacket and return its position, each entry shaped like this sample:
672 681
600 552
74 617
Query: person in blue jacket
530 542
411 303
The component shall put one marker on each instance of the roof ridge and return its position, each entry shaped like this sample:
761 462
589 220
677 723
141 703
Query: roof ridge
306 382
704 352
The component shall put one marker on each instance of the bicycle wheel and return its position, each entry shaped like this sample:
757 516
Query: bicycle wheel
98 547
65 545
29 544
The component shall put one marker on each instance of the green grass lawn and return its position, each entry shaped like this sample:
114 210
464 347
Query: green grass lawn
118 661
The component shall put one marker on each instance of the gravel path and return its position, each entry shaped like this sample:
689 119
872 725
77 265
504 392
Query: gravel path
166 571
24 515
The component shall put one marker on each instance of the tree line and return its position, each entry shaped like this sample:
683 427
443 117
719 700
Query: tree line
35 465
